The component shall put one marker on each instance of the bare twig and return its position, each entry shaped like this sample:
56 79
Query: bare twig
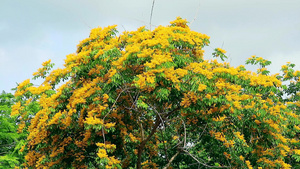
10 144
103 134
195 17
203 131
110 111
184 143
158 121
171 160
115 102
151 13
158 115
165 147
206 165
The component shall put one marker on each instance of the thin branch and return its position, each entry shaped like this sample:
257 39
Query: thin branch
151 13
206 165
171 160
142 130
136 98
111 110
158 115
4 153
143 143
115 102
103 134
184 143
10 144
165 148
203 130
195 17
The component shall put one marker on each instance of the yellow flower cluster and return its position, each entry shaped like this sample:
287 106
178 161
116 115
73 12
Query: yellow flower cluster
15 109
201 87
249 164
240 136
107 146
102 153
180 22
23 84
218 135
132 137
158 60
219 118
42 71
221 50
228 156
93 121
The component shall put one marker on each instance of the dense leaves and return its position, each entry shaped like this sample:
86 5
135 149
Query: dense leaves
9 138
149 99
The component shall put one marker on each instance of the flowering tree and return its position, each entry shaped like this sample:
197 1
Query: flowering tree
148 99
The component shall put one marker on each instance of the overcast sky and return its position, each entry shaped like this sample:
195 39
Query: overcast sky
33 31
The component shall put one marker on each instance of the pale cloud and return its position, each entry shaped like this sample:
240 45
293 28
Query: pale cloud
34 31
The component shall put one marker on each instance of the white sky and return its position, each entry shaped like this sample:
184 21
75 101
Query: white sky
33 31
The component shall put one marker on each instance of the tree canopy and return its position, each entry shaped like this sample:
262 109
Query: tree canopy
149 99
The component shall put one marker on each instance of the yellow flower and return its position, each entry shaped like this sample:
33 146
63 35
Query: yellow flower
100 144
102 153
257 122
111 72
46 63
113 160
179 22
208 96
219 136
15 109
221 50
109 125
249 164
240 136
158 59
228 156
201 87
219 118
22 148
185 101
93 121
297 151
181 72
229 143
105 98
132 138
23 84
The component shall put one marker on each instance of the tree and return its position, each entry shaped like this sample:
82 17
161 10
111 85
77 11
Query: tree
9 137
148 99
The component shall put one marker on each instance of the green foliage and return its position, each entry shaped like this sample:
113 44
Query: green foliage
9 156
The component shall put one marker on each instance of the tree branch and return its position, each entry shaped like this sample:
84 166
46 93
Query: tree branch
206 165
171 160
158 121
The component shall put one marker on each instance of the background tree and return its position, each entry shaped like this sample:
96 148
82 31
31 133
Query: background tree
9 138
149 99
